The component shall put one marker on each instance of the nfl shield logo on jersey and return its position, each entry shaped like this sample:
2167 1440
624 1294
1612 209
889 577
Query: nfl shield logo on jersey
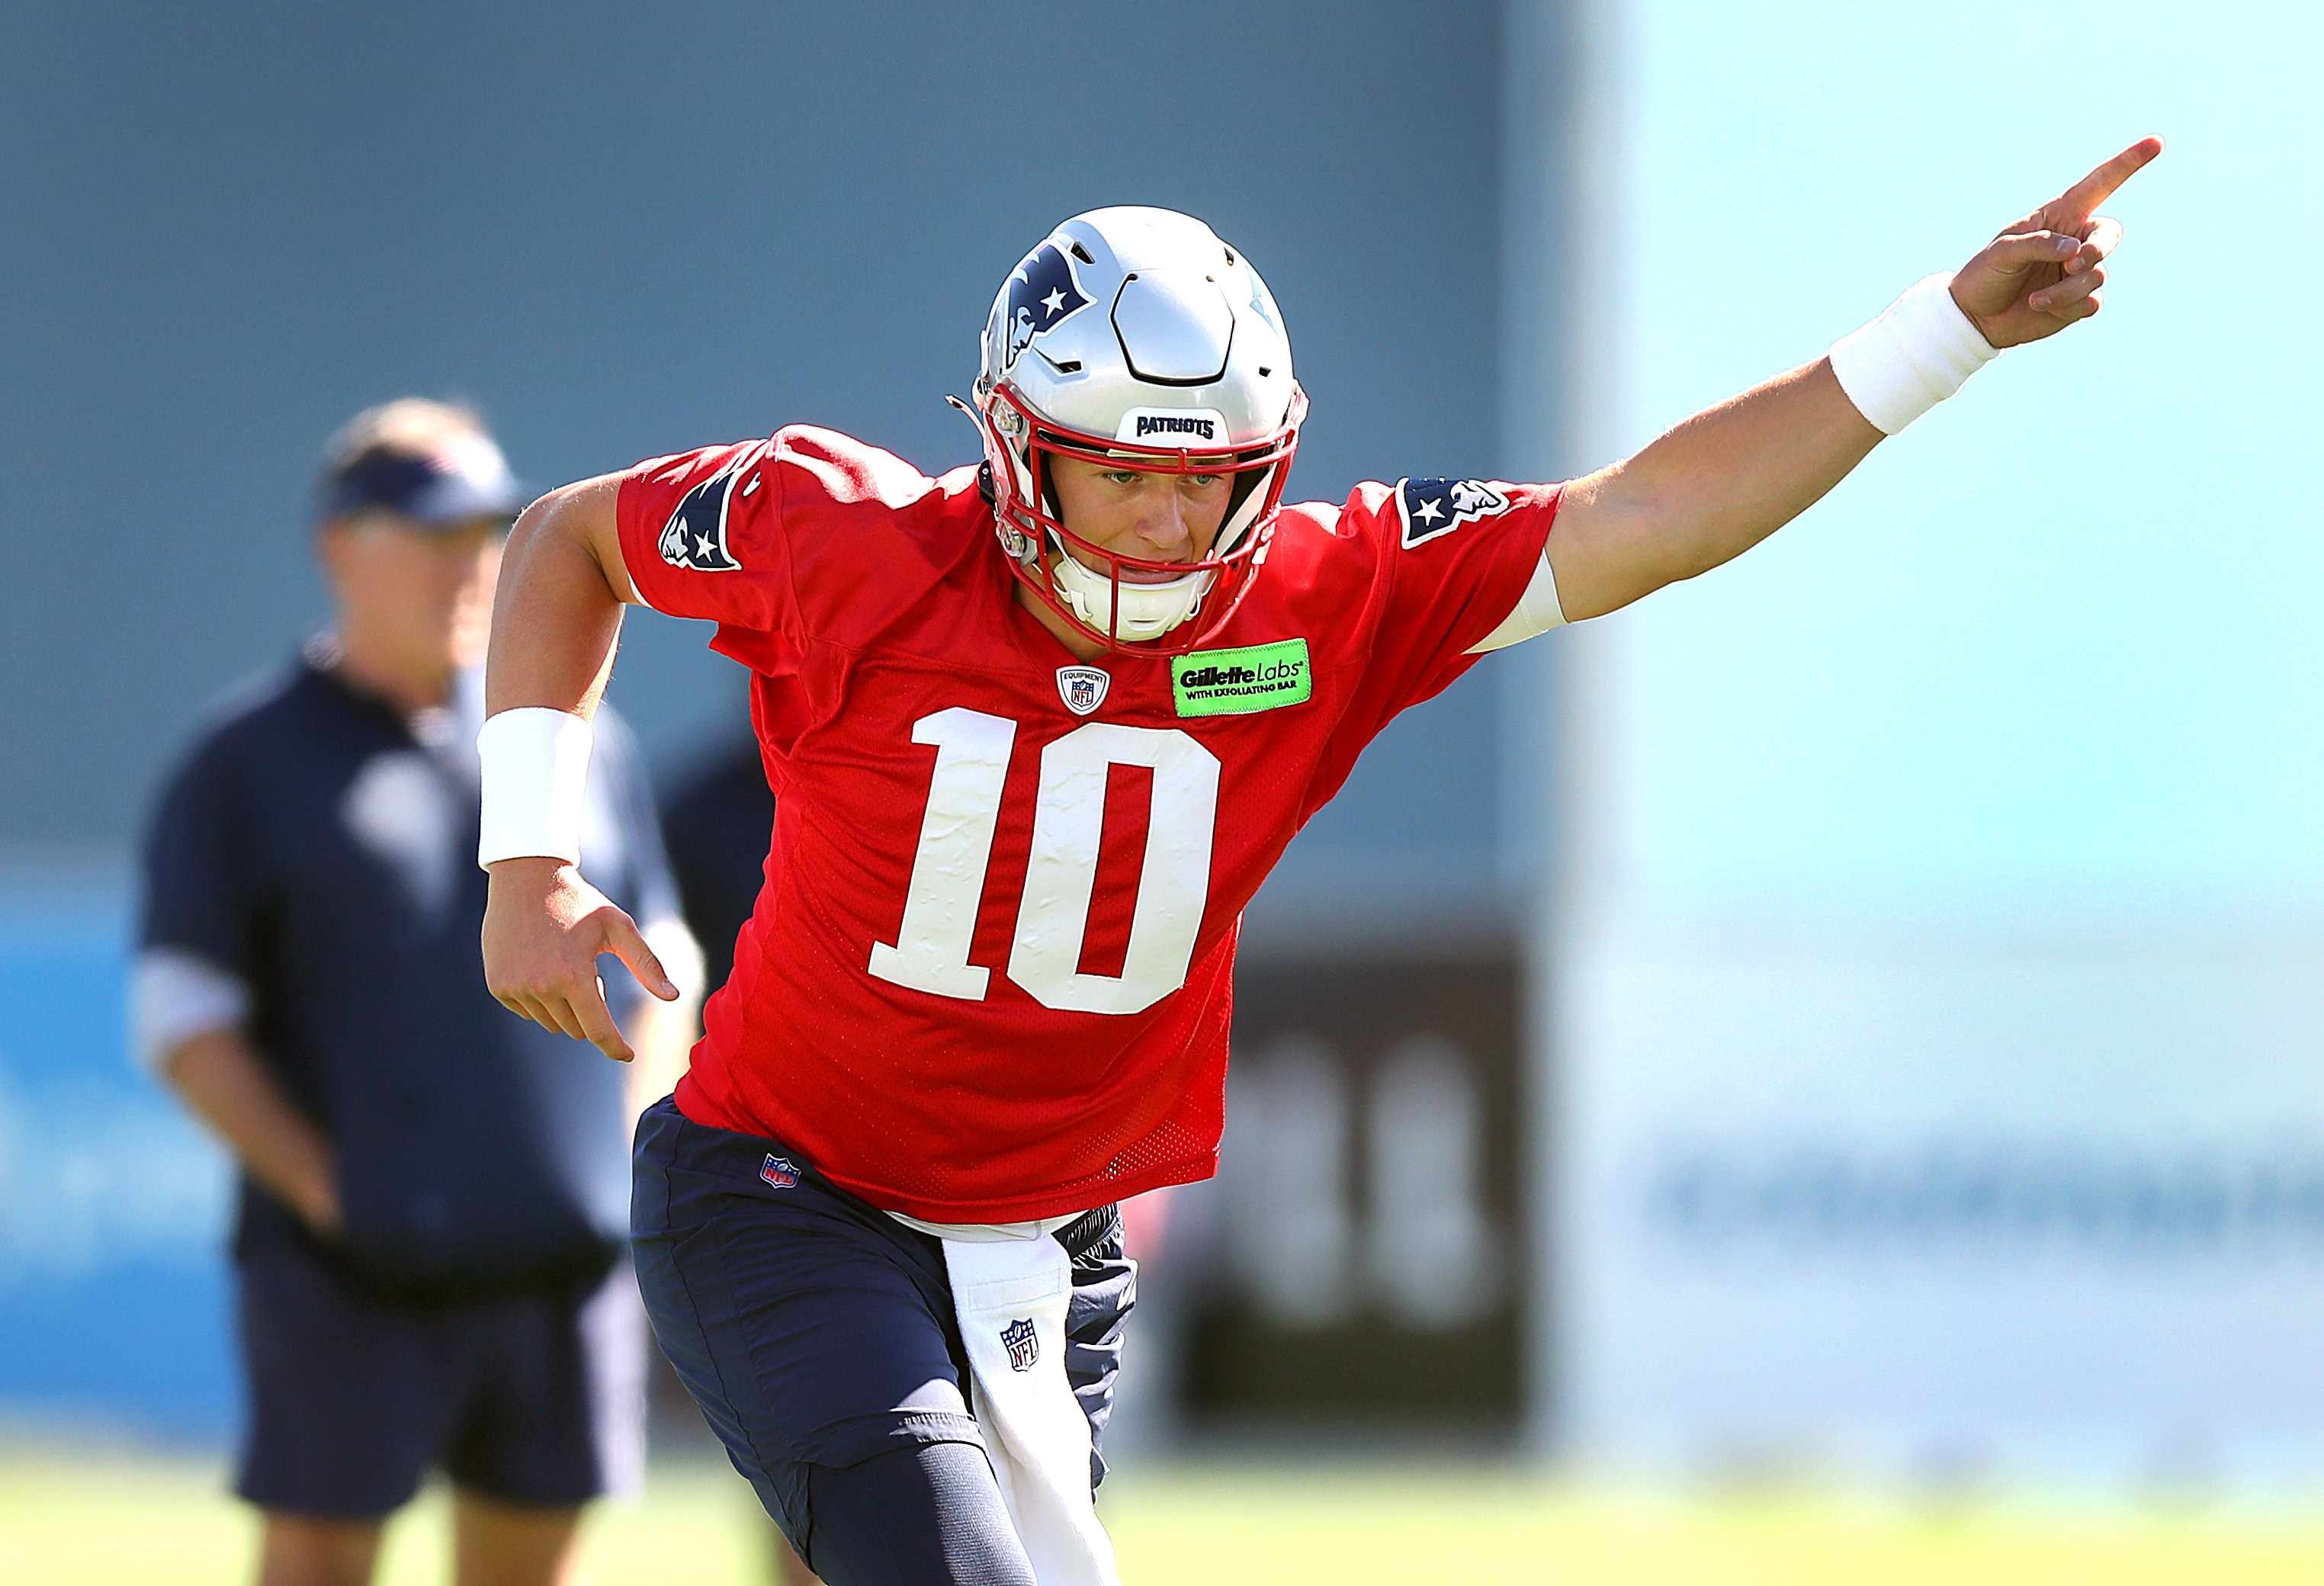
1083 688
780 1172
1024 1349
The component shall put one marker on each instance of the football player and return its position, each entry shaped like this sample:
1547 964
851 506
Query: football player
1024 795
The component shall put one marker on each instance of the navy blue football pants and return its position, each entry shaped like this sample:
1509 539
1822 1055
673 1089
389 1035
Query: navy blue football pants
817 1335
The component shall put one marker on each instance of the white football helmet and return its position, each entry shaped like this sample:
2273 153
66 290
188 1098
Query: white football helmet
1135 337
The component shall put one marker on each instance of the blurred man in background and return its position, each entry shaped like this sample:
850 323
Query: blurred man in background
433 1191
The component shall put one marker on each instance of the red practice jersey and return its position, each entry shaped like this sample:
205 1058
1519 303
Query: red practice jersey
988 976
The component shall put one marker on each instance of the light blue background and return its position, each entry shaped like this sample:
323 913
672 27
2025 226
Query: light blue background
2055 650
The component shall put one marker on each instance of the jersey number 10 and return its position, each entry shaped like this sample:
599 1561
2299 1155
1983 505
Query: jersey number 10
930 953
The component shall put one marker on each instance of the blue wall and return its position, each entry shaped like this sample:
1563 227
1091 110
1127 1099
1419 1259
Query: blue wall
2055 650
628 230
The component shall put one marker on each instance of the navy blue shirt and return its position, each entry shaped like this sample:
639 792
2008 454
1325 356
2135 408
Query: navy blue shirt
321 849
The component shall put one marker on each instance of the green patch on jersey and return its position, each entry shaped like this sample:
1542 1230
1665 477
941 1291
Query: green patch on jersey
1237 682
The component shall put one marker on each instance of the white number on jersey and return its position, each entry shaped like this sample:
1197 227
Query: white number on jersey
931 950
930 953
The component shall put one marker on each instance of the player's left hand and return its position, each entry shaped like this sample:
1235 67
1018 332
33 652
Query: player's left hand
2045 271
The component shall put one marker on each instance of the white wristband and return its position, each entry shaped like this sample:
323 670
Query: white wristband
535 775
1911 358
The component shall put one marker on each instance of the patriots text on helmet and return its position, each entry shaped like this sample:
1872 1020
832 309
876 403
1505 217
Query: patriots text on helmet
1155 424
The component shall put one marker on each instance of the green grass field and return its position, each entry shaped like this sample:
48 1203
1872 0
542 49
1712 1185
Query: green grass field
90 1520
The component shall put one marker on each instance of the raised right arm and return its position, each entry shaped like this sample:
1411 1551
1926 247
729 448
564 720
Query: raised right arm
556 616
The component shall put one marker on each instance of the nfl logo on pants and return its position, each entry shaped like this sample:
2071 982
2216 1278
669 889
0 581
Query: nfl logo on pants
779 1172
1023 1348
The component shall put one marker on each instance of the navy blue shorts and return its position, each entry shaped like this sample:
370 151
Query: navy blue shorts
813 1329
532 1399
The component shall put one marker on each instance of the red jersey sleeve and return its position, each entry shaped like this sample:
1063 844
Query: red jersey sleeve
1455 556
806 536
702 536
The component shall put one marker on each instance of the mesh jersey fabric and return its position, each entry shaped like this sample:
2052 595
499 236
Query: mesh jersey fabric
1057 1038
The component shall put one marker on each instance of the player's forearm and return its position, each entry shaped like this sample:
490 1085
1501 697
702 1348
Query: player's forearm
557 615
1705 492
222 1079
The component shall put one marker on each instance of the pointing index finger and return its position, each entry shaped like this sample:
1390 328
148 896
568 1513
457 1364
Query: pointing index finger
2075 206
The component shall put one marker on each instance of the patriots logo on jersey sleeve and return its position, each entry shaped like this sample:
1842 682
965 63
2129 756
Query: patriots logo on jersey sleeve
695 538
1041 295
1430 507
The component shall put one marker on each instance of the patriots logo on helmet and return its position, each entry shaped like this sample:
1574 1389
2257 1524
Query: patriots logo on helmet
780 1171
1024 1348
1041 295
1430 507
696 535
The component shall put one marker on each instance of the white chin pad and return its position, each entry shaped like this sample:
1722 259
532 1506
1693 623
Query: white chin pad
1148 610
